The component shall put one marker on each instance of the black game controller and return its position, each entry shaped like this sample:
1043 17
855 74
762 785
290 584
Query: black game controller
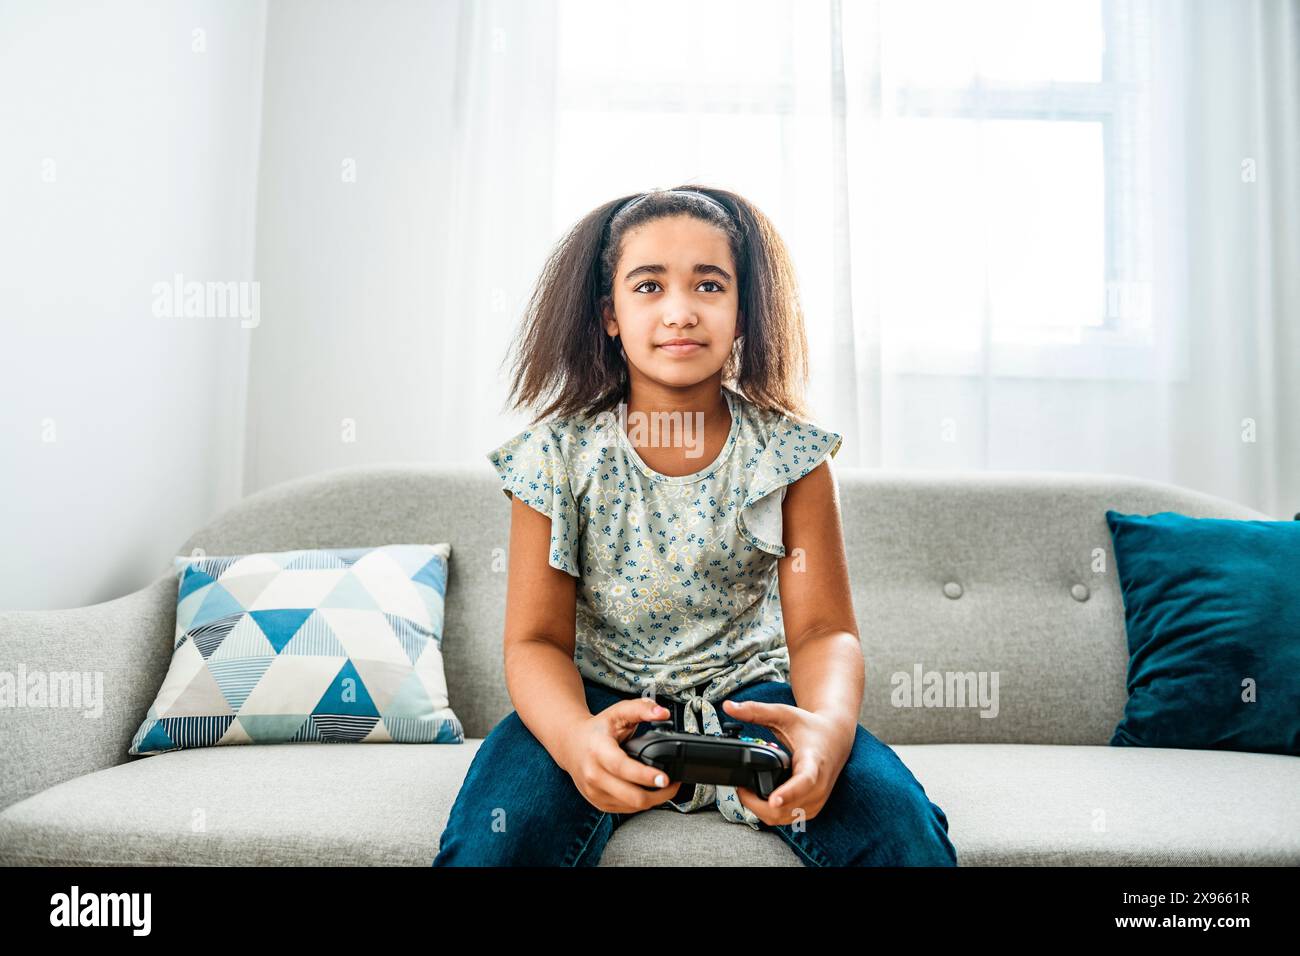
731 760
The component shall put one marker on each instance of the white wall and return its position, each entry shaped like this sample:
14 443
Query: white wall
120 432
352 227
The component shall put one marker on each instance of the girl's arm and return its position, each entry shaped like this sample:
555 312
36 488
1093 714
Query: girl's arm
541 678
826 669
821 632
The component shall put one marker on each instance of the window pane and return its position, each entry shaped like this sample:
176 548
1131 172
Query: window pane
1019 201
951 42
732 42
644 149
1046 229
932 277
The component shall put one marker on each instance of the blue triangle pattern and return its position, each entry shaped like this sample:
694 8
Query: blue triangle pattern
219 603
434 574
303 637
346 695
410 635
281 624
314 561
192 580
208 637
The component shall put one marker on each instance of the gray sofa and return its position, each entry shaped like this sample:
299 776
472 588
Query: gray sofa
979 572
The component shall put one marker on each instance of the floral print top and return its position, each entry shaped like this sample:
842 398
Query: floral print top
677 575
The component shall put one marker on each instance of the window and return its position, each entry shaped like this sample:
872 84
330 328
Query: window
1013 210
1017 200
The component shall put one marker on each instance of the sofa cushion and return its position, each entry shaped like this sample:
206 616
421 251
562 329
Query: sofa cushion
332 645
1045 804
1213 624
299 804
289 805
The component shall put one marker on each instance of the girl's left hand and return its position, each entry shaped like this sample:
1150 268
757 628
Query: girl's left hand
818 746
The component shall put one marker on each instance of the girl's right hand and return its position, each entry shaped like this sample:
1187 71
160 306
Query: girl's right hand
602 770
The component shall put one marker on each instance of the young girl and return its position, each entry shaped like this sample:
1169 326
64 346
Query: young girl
695 574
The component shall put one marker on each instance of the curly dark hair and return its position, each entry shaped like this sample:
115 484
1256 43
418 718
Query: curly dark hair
567 365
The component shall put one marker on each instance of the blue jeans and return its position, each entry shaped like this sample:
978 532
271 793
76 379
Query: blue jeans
517 807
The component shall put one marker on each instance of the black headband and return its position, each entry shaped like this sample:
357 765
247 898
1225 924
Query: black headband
685 192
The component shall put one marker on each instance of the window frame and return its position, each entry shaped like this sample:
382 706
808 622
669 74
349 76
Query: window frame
1122 346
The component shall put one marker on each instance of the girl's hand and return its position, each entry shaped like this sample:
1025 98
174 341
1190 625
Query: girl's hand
819 747
602 770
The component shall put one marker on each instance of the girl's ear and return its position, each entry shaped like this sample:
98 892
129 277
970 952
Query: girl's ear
607 317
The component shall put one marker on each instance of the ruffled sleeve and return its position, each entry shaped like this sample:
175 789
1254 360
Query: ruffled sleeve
533 468
793 449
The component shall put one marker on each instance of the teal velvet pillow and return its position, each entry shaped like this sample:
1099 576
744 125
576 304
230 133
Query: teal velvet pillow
1212 609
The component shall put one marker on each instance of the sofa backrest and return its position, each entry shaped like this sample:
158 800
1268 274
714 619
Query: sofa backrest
959 580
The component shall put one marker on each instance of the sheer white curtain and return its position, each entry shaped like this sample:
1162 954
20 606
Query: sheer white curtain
1029 235
406 202
1071 239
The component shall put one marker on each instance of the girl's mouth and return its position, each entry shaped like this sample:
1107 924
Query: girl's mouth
690 349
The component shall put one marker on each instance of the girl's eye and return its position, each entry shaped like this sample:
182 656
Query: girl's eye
705 282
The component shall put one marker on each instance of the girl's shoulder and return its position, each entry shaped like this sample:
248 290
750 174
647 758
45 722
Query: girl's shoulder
770 432
781 449
533 466
552 444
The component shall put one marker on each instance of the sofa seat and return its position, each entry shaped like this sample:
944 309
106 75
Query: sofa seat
361 804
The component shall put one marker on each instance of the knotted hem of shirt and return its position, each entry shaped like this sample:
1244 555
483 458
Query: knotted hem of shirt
728 802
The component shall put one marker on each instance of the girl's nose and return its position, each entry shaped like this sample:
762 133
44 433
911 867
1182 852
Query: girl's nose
679 316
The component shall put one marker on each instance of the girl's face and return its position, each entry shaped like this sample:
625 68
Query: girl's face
675 280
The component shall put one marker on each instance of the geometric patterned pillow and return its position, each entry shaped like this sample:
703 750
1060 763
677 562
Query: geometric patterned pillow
333 645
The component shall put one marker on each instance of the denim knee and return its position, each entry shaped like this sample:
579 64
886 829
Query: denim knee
517 807
878 814
913 832
929 844
527 845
